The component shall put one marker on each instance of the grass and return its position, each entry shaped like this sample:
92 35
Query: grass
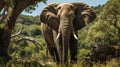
49 63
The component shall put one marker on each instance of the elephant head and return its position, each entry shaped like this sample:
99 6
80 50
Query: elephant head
65 19
77 13
66 16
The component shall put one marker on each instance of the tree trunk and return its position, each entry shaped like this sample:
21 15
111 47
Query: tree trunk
4 43
5 33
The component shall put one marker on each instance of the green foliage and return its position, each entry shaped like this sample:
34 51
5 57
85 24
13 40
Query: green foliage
113 9
31 8
102 31
82 53
98 8
82 36
28 20
31 63
2 25
26 49
23 44
35 32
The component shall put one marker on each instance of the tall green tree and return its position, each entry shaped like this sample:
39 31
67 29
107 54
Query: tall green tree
111 14
10 10
106 30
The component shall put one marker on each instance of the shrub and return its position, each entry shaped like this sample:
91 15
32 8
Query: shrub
35 32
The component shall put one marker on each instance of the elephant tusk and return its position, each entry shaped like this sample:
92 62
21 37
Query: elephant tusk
75 36
58 36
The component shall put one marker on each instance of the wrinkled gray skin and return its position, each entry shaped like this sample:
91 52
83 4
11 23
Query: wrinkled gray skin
60 23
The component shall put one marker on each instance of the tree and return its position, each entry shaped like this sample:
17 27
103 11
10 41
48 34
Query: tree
106 31
11 9
112 14
101 33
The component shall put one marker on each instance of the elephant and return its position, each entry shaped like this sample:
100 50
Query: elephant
60 23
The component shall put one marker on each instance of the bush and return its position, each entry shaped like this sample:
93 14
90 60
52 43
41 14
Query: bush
35 32
82 53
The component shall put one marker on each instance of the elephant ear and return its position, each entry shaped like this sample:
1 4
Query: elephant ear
49 16
84 14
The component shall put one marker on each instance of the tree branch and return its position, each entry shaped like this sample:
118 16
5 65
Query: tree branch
19 6
28 39
24 38
115 22
110 21
18 33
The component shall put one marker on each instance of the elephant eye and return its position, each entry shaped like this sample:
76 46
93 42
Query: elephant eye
72 8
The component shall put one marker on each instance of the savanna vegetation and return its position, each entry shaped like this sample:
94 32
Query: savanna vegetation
22 43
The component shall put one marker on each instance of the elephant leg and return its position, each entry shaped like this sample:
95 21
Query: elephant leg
59 49
58 43
48 35
56 55
73 49
52 53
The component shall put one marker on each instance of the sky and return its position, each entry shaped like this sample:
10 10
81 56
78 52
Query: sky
42 5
